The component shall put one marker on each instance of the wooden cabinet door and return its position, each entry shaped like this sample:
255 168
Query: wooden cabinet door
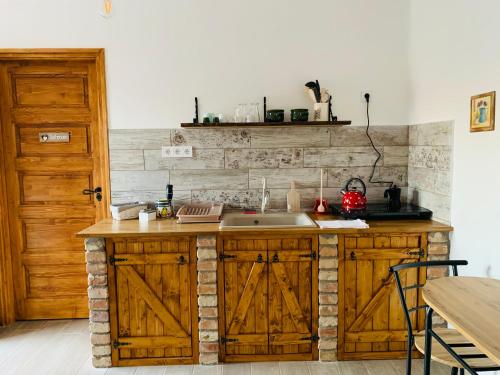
292 329
55 146
268 298
245 298
371 320
153 301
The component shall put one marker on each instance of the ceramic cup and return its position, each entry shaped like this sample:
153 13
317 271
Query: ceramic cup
300 114
275 115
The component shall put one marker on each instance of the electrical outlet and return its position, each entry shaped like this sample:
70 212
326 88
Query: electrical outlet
184 151
166 152
177 152
363 100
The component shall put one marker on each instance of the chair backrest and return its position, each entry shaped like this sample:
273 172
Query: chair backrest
401 290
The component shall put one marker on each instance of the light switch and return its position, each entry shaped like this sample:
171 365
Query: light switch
177 152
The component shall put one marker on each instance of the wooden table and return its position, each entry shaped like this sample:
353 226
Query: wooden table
472 306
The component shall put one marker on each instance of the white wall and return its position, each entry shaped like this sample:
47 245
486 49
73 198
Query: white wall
162 53
454 54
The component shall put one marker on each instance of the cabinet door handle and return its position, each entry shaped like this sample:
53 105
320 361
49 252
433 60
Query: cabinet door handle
181 259
276 258
353 255
259 258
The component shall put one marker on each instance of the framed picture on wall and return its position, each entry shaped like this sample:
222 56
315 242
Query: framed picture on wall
482 112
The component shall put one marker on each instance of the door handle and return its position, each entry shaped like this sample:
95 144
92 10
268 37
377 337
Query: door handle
97 191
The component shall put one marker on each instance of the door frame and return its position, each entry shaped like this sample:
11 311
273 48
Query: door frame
95 55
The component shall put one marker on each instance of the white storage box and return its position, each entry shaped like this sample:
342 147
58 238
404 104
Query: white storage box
126 211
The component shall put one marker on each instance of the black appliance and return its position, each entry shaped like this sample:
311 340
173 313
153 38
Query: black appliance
383 211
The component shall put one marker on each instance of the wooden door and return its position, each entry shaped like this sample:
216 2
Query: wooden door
153 301
371 319
291 288
55 146
268 298
245 298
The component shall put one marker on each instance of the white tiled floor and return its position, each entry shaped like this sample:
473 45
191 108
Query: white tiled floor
62 348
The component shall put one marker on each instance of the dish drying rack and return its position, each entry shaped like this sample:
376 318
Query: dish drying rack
200 213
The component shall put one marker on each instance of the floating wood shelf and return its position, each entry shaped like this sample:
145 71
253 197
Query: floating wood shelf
259 124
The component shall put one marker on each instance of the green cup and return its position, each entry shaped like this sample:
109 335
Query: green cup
275 115
300 114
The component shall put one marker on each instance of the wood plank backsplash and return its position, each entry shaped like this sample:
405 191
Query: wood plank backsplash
228 164
430 167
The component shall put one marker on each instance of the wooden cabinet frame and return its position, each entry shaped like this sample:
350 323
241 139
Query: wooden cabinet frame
7 295
224 357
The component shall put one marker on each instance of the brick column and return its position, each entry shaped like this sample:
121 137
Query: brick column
328 297
207 300
438 248
95 255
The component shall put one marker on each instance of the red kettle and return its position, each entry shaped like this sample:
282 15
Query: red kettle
352 198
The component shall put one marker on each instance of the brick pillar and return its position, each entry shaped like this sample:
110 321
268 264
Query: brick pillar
438 248
95 255
207 300
328 297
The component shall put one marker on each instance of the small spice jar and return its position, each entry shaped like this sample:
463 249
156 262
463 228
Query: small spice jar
164 208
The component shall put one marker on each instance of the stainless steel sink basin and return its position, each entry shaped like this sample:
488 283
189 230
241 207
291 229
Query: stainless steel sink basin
269 220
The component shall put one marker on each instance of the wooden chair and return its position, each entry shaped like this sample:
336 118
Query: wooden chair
477 360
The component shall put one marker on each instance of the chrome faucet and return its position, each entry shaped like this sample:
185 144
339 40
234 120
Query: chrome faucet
265 197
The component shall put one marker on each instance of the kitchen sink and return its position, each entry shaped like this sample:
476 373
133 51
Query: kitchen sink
269 220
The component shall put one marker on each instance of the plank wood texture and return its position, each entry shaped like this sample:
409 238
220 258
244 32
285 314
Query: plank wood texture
108 228
51 91
371 323
472 306
153 314
268 304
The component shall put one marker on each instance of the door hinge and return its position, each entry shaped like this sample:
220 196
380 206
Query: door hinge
313 338
112 260
312 255
224 340
117 344
224 256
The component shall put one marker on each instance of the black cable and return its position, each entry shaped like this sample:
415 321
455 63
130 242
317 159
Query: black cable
367 98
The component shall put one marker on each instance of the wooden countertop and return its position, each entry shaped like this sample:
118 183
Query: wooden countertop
127 228
472 306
